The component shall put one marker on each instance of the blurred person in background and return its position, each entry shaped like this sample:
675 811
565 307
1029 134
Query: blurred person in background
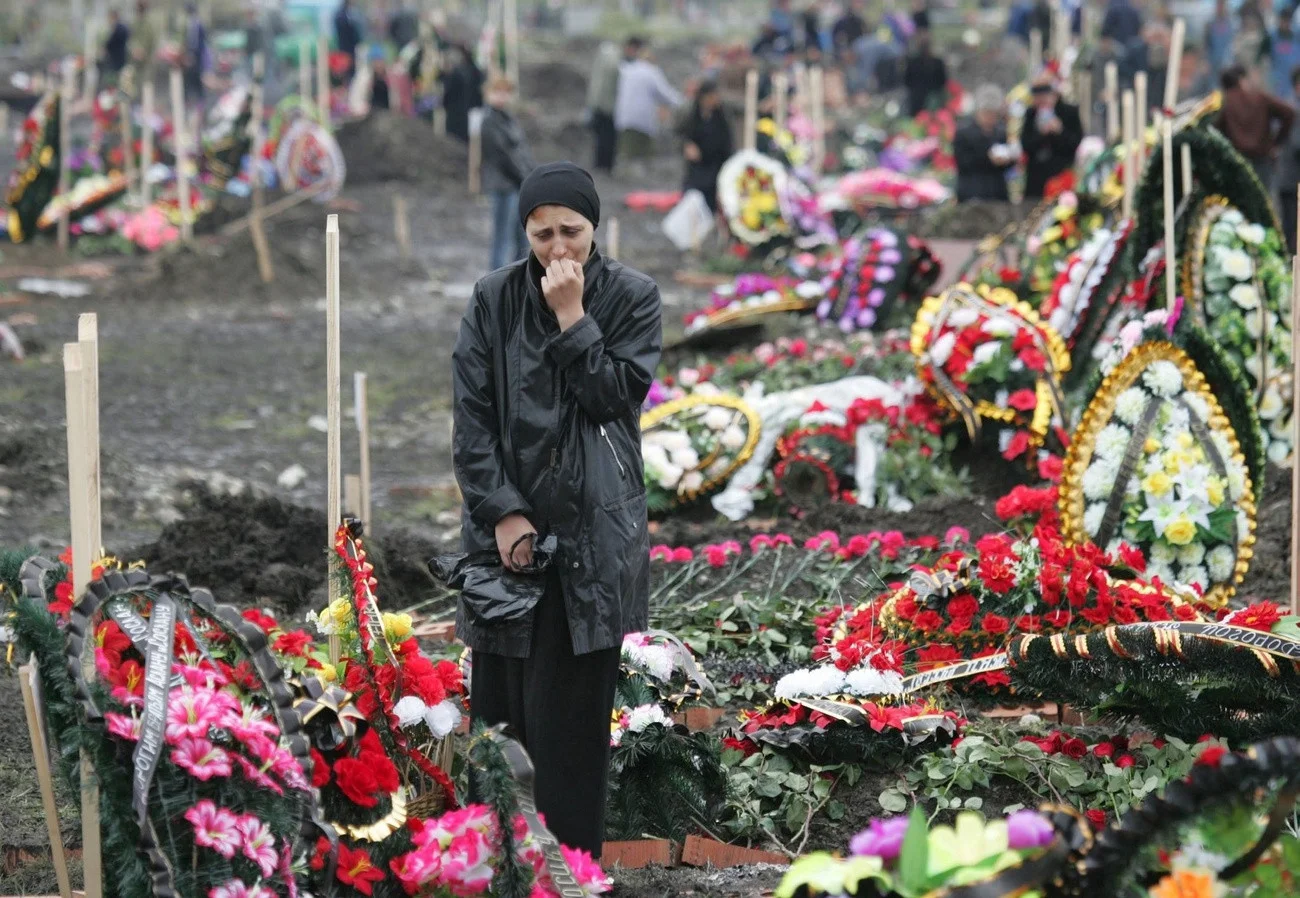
707 143
506 162
115 49
347 35
1220 34
1288 170
1250 43
848 27
144 43
602 95
1257 123
1051 134
1122 23
196 60
981 151
643 91
925 76
1283 54
462 90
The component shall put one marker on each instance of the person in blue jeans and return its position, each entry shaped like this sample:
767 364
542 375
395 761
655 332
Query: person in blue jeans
506 162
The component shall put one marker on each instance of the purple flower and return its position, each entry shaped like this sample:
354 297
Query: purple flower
1027 830
884 274
749 284
891 256
866 318
881 838
846 324
876 297
657 396
886 238
823 308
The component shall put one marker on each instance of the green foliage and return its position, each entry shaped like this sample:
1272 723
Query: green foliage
775 795
664 782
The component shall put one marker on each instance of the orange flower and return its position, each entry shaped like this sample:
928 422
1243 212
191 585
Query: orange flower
1186 884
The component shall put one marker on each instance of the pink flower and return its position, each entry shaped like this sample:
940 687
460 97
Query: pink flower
681 555
467 867
250 726
236 888
201 758
257 843
764 352
661 553
416 869
761 541
286 767
192 712
858 546
123 726
956 535
257 776
200 677
827 539
214 828
688 377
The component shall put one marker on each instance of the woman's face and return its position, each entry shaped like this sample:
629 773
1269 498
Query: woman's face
708 101
557 232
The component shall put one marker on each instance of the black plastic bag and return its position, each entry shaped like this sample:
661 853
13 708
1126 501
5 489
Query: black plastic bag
492 594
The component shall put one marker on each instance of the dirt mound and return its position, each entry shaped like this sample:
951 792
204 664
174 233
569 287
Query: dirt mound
253 550
33 462
388 147
553 80
972 220
1269 576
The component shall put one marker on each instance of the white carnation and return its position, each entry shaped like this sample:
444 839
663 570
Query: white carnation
668 476
1092 518
1163 377
1196 402
718 418
1191 554
707 389
732 438
442 718
942 348
686 459
667 440
1163 571
1195 575
1278 452
1000 327
808 290
1221 561
692 481
810 681
1098 481
963 317
1130 405
1162 553
867 682
655 660
410 710
1236 263
1251 233
646 715
1245 296
1112 441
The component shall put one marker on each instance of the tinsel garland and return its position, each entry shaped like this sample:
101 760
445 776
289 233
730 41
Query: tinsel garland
493 784
1182 686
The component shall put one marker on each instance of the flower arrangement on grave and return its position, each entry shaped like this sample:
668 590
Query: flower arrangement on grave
1156 460
1085 285
989 358
906 857
1058 231
1239 287
875 271
749 189
690 446
751 295
35 177
662 776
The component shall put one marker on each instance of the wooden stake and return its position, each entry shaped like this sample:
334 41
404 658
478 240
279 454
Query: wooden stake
4 121
88 340
352 495
781 92
1295 437
146 141
67 87
362 403
750 140
1085 99
475 151
800 90
1140 115
304 70
401 225
181 138
1113 126
89 71
1187 169
128 143
1035 54
1130 159
611 239
323 80
256 229
510 13
1171 285
1176 41
83 549
334 450
818 89
27 678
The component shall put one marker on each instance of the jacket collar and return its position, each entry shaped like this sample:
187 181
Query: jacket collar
591 271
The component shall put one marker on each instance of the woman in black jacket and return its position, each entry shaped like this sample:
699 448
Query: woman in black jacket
462 91
981 151
555 356
708 143
1051 134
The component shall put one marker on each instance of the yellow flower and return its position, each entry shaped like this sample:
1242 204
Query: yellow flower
765 202
327 673
751 218
1052 234
397 627
1151 446
1176 460
1214 490
1184 440
1180 531
340 611
1157 484
1187 884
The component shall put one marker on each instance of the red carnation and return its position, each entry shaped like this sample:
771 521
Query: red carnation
262 621
1017 447
927 621
960 626
1132 557
1124 762
995 624
998 573
357 781
1103 750
320 770
1212 756
1034 359
1074 748
963 606
1259 616
1096 817
293 643
1050 468
1023 400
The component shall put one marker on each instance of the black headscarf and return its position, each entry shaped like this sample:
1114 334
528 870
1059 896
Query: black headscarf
559 184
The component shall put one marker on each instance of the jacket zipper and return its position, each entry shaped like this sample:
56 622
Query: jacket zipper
614 452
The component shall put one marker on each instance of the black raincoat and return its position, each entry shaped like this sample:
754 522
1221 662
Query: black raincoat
547 424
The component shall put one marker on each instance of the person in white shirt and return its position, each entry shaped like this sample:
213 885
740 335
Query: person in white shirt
642 91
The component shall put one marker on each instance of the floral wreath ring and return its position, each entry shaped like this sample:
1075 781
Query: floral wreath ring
999 303
661 415
1099 414
121 595
746 181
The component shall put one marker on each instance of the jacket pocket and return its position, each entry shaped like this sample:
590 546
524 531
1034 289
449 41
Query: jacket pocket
609 443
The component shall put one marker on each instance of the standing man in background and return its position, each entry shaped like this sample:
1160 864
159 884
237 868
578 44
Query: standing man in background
347 35
602 96
196 59
1220 32
1051 134
506 163
1257 123
115 48
642 92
